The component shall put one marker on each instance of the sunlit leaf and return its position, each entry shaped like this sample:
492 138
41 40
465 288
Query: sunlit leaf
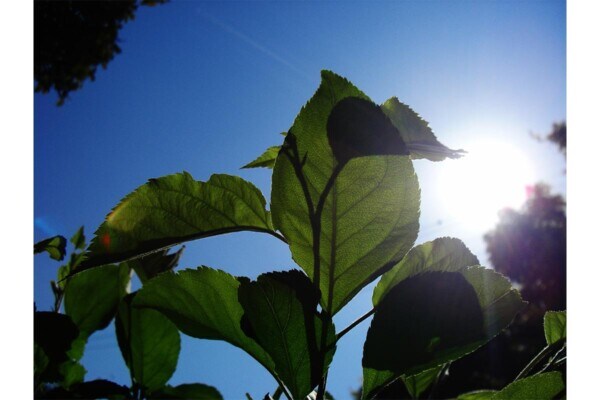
202 303
151 265
370 216
555 326
149 343
92 296
545 386
280 313
478 395
419 383
266 159
434 317
174 209
78 239
186 391
416 133
441 254
55 246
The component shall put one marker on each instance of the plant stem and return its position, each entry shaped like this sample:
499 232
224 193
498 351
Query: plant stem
283 389
536 360
352 325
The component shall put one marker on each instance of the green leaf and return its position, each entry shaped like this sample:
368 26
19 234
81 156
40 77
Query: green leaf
78 239
266 159
72 373
478 395
149 266
56 247
416 133
370 215
544 386
280 313
187 391
435 317
92 296
419 383
149 343
555 326
174 209
202 303
441 254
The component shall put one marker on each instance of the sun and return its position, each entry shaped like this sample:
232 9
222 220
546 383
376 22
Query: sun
492 176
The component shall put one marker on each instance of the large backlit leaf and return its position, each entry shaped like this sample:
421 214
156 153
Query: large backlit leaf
544 386
55 246
266 159
441 254
149 343
416 133
280 313
92 296
202 303
433 317
187 391
174 209
555 326
370 215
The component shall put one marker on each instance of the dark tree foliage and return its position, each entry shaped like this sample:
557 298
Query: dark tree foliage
559 136
72 38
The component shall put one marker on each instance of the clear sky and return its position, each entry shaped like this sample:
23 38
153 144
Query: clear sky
207 86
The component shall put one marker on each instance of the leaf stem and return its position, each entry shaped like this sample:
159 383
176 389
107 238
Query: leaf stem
536 360
352 325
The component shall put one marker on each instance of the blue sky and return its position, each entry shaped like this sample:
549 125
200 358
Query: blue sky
205 87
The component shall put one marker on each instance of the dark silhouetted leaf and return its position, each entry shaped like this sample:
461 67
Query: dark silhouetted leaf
203 303
149 266
149 344
266 159
187 391
78 239
96 389
356 127
370 216
280 313
441 254
478 395
174 209
555 326
539 387
55 246
92 296
467 308
53 335
416 133
419 383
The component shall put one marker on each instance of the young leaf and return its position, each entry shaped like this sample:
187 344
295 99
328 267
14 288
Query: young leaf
435 317
266 159
149 266
441 254
555 326
196 391
416 133
149 344
419 383
92 297
545 386
370 214
202 303
174 209
78 239
56 247
280 313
